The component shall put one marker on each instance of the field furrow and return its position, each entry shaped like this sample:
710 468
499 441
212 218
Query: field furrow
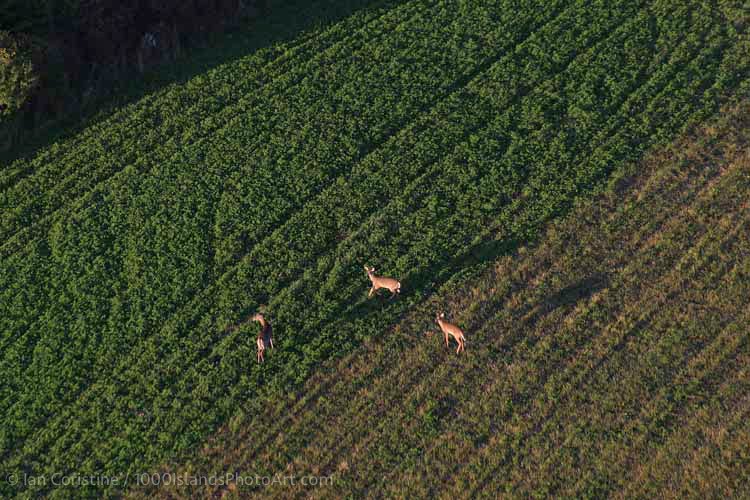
221 132
333 196
401 179
145 126
321 428
405 140
511 163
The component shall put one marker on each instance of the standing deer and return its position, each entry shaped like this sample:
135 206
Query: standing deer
265 337
379 282
452 330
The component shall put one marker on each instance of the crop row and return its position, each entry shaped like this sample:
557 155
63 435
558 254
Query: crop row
190 130
296 189
605 359
579 339
595 99
136 238
710 444
72 360
71 348
141 124
86 218
544 350
427 381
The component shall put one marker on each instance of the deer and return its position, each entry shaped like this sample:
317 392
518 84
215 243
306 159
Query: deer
265 337
452 330
379 282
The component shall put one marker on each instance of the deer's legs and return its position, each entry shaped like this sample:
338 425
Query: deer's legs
271 341
372 290
261 348
446 339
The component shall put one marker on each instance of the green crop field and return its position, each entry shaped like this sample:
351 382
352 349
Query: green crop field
433 140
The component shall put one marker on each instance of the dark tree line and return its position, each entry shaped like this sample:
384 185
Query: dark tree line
48 48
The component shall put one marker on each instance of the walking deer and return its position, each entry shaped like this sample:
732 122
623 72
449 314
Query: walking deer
265 337
379 282
452 330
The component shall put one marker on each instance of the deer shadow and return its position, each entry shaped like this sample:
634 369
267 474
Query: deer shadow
576 292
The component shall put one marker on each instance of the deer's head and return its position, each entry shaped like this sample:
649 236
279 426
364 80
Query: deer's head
439 316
